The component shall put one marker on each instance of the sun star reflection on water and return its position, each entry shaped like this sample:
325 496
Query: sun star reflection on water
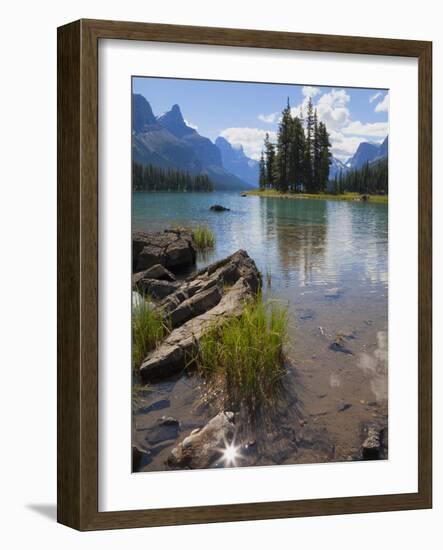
231 454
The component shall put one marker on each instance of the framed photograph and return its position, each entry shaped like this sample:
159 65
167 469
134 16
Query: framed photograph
244 274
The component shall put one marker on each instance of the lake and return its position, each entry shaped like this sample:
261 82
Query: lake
328 260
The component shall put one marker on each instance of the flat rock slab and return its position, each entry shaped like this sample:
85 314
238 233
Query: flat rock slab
160 272
157 289
203 448
173 249
209 297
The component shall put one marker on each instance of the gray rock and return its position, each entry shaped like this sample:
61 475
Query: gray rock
371 447
157 289
171 249
219 208
167 428
343 406
160 272
199 304
333 293
203 447
339 345
157 406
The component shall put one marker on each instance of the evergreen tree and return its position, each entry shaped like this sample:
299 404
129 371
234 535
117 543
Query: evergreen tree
283 149
153 178
262 172
316 155
297 153
308 155
324 157
270 162
372 179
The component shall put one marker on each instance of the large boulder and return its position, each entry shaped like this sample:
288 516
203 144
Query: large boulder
203 448
157 289
173 249
211 296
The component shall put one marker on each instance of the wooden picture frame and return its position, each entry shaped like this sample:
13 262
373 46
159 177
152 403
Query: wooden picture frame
78 273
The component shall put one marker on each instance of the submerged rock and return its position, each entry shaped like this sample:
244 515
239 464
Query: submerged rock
333 293
173 249
203 448
339 344
219 208
343 406
167 428
139 457
200 302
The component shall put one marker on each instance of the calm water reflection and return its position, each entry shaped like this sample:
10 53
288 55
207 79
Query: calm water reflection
321 254
328 260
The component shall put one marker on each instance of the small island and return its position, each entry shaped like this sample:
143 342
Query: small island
298 165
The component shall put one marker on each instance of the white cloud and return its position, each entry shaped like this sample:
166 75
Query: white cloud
272 117
250 138
194 126
375 96
383 105
331 109
369 129
310 91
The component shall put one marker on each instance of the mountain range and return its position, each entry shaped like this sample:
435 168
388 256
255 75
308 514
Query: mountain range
168 142
365 152
368 152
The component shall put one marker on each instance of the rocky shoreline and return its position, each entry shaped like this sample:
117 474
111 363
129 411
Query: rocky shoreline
191 305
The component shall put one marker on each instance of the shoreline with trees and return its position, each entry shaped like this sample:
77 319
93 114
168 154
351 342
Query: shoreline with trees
298 164
155 179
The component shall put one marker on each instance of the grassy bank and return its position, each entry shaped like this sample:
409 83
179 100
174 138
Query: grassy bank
148 329
329 196
245 353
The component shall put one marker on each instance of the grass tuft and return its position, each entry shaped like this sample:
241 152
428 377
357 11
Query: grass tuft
246 352
148 329
204 238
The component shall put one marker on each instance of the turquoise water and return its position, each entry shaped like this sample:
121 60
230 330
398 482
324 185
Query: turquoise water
328 261
309 247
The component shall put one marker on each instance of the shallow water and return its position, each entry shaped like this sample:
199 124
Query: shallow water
328 260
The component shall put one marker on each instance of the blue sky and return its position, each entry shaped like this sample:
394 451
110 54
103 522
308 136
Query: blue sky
243 112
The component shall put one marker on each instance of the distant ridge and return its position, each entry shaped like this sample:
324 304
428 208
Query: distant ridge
168 142
368 152
235 160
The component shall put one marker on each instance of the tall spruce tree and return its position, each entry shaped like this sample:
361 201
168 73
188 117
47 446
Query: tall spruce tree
308 156
283 149
262 172
324 157
270 163
297 153
316 155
